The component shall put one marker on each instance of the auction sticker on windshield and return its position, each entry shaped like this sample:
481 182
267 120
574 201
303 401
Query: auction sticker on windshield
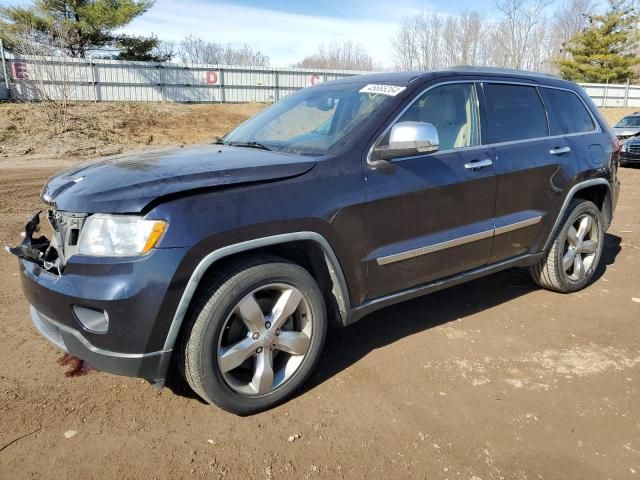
391 90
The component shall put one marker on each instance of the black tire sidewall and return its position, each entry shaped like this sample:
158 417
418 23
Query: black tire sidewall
581 208
220 306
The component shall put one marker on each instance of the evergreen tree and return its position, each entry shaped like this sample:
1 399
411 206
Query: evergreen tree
142 49
75 27
605 51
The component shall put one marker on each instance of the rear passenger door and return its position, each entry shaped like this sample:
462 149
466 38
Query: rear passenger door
534 163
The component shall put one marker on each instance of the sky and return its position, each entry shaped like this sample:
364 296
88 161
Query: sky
288 31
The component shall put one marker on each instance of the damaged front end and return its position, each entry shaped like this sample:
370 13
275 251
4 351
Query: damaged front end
50 254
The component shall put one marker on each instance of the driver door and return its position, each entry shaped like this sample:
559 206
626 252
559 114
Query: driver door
430 216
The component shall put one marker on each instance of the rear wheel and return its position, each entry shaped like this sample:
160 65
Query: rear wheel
255 335
573 258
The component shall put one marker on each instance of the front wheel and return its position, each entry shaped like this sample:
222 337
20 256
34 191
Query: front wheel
572 261
255 335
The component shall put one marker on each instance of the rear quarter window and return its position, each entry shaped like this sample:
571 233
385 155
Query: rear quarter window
514 112
567 113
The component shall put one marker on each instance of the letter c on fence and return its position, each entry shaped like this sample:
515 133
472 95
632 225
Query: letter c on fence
212 78
315 79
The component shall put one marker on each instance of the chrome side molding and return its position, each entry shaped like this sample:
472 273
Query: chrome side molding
515 226
436 247
456 242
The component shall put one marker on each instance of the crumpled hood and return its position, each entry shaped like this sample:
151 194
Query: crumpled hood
128 183
626 131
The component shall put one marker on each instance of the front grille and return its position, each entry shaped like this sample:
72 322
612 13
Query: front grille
633 148
67 227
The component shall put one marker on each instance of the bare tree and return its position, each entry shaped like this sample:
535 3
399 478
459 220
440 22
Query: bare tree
43 78
569 19
436 41
518 26
244 56
405 44
470 38
343 56
196 50
165 49
521 36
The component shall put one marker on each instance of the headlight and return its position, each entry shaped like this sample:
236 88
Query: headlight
119 235
624 147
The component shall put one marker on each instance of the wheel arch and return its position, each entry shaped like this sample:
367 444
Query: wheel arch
310 249
596 190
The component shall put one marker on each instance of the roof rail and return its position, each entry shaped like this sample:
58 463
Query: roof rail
473 68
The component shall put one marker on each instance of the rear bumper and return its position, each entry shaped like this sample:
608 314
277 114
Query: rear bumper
150 366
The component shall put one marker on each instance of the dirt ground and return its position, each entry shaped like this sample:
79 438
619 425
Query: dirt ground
494 379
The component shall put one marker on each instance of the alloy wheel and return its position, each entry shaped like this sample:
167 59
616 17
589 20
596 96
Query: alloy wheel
265 339
581 247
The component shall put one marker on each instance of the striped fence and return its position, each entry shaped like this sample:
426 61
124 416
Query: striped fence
27 78
31 78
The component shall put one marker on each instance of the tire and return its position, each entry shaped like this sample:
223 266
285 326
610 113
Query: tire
559 269
231 319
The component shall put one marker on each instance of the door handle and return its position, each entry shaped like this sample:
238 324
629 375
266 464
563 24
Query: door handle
559 151
478 164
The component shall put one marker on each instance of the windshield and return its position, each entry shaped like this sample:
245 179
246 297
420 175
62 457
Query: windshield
629 122
310 122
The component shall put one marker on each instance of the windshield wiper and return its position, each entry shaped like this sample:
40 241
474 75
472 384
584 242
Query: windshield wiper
250 145
219 141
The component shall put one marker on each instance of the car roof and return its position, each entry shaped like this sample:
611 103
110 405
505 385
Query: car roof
404 78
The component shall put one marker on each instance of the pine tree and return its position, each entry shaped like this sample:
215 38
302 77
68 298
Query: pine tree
604 52
76 27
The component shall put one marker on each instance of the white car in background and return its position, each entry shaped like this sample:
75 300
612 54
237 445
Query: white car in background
628 127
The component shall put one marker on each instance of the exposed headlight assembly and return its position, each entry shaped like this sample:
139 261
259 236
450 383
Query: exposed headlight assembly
119 235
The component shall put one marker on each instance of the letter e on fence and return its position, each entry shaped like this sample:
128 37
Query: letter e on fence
19 70
212 77
315 79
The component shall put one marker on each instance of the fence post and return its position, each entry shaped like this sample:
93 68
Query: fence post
4 69
606 90
626 95
93 80
222 86
277 84
162 82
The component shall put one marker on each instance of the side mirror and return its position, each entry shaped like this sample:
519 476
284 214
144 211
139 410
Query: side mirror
408 139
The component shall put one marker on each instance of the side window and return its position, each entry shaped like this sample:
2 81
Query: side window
514 112
453 110
567 113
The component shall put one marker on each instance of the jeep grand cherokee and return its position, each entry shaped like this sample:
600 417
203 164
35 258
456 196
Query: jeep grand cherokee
232 259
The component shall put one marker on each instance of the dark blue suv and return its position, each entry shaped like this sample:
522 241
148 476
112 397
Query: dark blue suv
232 259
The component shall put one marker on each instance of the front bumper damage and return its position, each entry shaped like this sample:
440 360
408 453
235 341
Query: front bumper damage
37 250
128 293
